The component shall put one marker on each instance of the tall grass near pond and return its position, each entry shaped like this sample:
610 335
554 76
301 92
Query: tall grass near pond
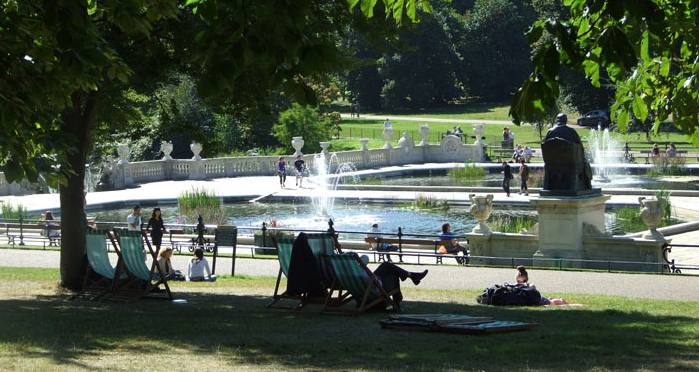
201 202
11 211
423 201
468 173
509 223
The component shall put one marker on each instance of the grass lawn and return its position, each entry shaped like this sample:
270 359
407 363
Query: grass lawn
486 111
225 325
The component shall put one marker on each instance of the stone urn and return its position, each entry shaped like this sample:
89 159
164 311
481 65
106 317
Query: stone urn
481 206
297 144
478 131
166 149
123 151
387 137
324 149
405 142
424 135
652 215
196 148
365 144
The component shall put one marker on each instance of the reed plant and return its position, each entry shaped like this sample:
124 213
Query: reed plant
468 173
423 201
201 202
668 166
12 211
509 223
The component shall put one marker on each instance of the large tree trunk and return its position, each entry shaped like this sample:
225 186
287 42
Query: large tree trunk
76 125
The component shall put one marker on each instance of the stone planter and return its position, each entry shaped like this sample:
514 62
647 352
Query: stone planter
365 144
424 135
652 215
297 144
387 137
478 131
123 151
481 207
166 149
196 148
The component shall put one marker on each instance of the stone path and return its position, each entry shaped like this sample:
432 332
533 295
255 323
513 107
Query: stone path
428 120
667 287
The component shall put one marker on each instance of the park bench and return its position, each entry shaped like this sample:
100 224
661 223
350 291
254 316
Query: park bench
432 243
18 233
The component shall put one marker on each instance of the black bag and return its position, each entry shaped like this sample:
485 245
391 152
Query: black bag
510 295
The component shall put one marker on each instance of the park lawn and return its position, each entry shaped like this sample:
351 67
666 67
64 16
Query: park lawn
476 111
225 325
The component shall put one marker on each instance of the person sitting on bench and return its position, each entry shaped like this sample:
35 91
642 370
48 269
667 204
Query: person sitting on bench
377 244
389 275
450 244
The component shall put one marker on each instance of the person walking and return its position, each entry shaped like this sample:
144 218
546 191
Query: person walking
300 166
524 177
506 177
156 228
281 171
134 219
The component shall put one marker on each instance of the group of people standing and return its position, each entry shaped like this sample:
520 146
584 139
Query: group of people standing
197 268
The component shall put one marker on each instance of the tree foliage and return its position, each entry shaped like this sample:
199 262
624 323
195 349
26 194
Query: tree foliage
304 121
648 48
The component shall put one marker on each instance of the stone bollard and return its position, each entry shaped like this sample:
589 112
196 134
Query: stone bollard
481 207
365 151
123 176
297 143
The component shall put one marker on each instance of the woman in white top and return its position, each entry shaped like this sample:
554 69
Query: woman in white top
198 268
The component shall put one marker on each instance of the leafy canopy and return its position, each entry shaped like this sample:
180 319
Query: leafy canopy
648 48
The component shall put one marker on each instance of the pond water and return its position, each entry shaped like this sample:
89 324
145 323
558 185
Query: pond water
441 178
355 216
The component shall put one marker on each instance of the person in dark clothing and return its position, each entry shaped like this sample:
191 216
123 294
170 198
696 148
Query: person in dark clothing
524 177
304 276
506 177
390 275
300 166
156 228
281 171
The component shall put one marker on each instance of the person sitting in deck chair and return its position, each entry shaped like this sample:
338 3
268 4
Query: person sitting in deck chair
375 235
198 267
390 275
304 275
450 245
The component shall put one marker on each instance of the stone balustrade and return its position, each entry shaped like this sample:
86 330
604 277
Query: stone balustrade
124 173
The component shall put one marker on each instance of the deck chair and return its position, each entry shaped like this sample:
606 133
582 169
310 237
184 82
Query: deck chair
101 278
284 247
131 244
365 288
322 246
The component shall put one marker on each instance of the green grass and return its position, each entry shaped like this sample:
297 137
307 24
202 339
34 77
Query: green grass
514 224
201 202
486 111
423 201
13 211
225 326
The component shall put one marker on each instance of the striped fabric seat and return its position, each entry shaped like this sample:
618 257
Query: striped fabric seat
352 275
322 245
284 248
96 249
133 253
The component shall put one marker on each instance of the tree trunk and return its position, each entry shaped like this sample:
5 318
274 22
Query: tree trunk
76 125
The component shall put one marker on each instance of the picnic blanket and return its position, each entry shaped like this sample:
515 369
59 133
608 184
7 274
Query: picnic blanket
452 323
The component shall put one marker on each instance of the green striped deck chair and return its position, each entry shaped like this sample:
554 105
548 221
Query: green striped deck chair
100 274
132 252
354 276
322 246
284 247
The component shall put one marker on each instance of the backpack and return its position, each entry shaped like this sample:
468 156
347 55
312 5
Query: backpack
510 295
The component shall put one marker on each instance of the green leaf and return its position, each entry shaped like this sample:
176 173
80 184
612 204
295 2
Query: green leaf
640 110
644 46
367 7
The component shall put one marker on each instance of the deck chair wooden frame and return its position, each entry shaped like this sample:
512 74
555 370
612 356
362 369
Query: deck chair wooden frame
365 288
323 245
284 248
98 265
136 267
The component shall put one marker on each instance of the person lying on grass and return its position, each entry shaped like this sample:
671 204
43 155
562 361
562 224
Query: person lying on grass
523 278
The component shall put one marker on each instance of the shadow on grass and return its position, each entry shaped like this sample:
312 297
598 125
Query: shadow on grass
239 329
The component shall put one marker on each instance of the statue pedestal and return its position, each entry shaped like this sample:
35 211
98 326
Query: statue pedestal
561 221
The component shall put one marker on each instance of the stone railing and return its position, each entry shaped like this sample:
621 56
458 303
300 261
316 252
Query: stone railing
122 173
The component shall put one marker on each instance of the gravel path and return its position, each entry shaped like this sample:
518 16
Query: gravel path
666 287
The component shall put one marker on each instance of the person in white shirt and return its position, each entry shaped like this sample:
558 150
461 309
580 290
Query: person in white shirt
374 235
134 219
198 269
387 123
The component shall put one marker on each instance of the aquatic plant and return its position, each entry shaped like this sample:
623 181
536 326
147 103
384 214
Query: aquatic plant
469 172
201 202
509 223
423 201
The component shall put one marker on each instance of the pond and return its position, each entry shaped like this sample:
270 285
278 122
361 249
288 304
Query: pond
357 216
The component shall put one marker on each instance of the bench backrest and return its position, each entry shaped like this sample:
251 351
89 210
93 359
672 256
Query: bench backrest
226 236
131 245
96 249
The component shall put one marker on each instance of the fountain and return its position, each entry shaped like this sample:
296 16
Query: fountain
326 181
604 151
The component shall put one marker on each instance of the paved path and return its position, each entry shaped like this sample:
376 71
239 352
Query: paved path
670 287
428 120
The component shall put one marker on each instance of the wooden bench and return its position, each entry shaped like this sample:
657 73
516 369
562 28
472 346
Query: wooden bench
433 243
504 153
32 231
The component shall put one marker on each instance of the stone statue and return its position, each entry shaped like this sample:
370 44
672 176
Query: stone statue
566 171
105 179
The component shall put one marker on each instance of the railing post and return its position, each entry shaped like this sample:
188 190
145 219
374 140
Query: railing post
400 244
21 230
264 237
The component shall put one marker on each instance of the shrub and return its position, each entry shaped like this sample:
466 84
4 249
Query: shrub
14 212
536 178
304 121
202 202
668 166
469 172
664 197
